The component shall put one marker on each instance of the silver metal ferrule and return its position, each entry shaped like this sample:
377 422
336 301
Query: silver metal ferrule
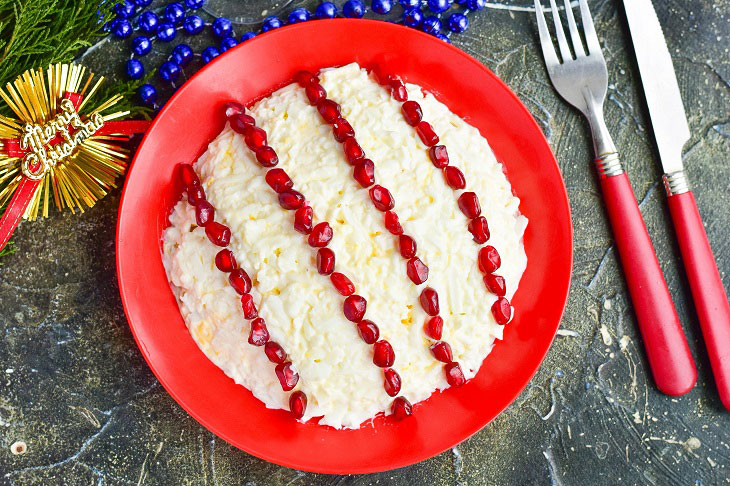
675 183
609 165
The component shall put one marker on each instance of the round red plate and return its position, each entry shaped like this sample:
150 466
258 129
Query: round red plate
182 131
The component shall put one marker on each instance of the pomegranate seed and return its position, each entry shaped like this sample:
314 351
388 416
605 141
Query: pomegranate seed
329 110
401 408
298 404
398 90
502 311
325 261
495 284
195 195
489 259
259 335
434 327
428 136
218 234
469 205
278 180
407 246
454 178
315 93
479 229
232 109
342 284
291 199
342 129
430 301
381 198
225 261
392 382
240 281
305 77
275 352
287 376
267 156
417 271
204 213
303 220
412 113
239 123
249 308
368 331
364 172
188 176
254 137
439 156
454 375
442 351
383 355
353 151
354 308
392 224
321 235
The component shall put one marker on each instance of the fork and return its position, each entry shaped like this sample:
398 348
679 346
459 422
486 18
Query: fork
582 80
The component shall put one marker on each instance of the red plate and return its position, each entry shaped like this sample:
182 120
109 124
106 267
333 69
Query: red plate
192 118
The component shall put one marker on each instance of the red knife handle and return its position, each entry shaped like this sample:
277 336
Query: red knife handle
708 291
666 346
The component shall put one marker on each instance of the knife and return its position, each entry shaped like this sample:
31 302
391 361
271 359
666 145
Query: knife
671 132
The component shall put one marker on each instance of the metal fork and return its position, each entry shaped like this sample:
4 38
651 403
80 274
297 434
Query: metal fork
582 80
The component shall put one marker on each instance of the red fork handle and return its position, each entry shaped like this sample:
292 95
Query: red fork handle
708 291
666 346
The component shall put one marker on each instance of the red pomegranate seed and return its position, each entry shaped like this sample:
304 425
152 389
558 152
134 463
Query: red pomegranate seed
342 129
353 151
325 261
392 224
412 113
502 311
428 136
278 180
195 195
401 408
239 123
329 110
398 90
315 93
188 176
489 259
479 229
303 220
249 308
305 77
495 284
275 352
287 376
232 109
291 199
434 327
298 404
259 335
321 235
254 137
342 284
417 271
439 156
354 308
407 246
381 198
240 281
218 234
442 351
364 172
383 355
368 331
454 375
392 382
204 213
454 178
267 156
469 205
430 301
225 261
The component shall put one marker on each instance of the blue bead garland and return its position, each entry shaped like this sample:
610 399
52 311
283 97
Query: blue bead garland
148 94
142 3
228 43
326 10
125 10
166 32
432 25
271 23
121 28
458 23
406 4
193 24
382 7
247 36
135 69
148 22
175 13
222 28
439 6
210 53
169 71
413 17
353 9
299 15
182 54
141 45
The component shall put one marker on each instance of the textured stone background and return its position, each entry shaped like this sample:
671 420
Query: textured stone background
75 388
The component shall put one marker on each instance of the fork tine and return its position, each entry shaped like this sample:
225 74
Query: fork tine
591 38
548 50
574 34
560 33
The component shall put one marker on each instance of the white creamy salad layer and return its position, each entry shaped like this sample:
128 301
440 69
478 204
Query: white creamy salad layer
303 311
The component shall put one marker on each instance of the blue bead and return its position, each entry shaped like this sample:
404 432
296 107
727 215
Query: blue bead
460 2
209 54
147 93
124 10
247 36
193 24
121 28
326 10
141 45
382 6
182 54
166 32
169 71
458 23
271 23
222 28
413 17
431 25
299 15
443 38
142 3
175 13
194 4
147 22
475 4
438 6
353 9
135 69
406 4
228 43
